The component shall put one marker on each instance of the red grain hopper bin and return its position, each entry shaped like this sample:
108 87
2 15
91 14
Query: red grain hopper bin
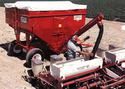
53 22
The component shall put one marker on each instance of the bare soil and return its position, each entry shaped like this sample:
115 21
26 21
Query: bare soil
12 68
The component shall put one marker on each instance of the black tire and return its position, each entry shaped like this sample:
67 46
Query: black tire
31 53
12 49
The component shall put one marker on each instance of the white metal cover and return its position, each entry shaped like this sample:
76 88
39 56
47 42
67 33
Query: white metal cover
116 55
45 5
71 67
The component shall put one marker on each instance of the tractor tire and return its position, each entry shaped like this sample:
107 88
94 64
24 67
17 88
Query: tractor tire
35 52
14 49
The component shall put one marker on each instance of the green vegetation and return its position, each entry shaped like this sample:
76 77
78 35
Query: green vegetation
112 9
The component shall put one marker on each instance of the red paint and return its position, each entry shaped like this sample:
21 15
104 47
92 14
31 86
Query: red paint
53 27
93 74
83 79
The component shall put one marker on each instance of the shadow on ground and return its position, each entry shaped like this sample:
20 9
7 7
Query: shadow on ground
30 79
20 56
5 47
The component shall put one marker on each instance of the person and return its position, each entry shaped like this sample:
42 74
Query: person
75 48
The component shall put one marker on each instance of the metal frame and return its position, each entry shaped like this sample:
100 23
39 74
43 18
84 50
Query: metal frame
98 77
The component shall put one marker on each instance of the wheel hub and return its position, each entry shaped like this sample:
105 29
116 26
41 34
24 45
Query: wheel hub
17 49
37 58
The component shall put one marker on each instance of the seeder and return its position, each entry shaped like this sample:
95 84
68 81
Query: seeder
52 28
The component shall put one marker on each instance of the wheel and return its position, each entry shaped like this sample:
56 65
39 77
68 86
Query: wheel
34 53
14 49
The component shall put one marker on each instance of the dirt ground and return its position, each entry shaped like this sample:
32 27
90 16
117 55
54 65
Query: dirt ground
12 68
